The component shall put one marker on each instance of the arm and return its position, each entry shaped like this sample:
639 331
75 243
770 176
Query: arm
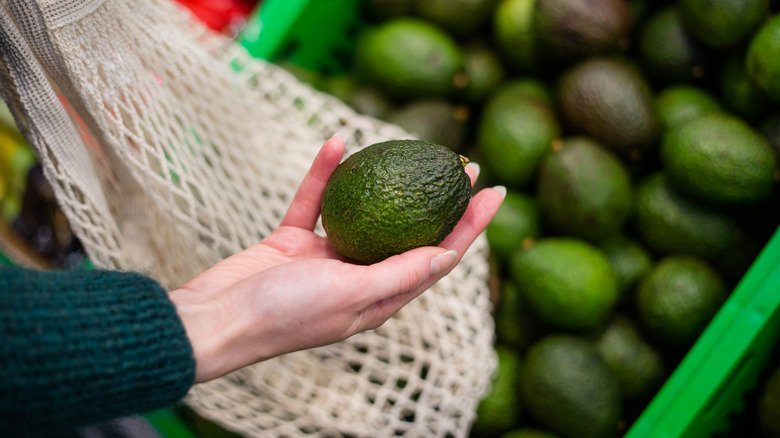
80 347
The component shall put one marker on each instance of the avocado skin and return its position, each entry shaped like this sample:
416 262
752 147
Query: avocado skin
394 196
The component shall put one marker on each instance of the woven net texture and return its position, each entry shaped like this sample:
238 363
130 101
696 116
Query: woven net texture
170 148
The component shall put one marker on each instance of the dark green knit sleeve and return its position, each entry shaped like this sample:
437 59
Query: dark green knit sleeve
83 346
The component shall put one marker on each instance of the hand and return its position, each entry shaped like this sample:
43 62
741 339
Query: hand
292 292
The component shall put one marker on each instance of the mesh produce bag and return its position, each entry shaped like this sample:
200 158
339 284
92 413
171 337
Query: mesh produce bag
169 148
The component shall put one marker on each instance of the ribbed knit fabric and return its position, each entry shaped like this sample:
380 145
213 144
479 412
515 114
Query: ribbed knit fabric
78 347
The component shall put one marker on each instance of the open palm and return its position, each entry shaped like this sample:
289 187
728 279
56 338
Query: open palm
291 291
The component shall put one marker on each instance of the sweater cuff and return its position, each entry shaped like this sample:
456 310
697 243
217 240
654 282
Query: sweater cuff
85 346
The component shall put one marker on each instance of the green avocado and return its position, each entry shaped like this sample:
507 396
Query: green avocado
394 196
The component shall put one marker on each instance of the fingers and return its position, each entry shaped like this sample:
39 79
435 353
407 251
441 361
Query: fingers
392 283
305 206
481 209
472 169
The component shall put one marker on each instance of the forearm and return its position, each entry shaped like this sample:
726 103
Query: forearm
83 347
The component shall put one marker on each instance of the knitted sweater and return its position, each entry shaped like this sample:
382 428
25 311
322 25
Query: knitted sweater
78 347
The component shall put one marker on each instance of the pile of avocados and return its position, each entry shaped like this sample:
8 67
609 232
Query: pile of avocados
639 143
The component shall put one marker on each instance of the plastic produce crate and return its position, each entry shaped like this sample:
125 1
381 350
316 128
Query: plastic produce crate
709 385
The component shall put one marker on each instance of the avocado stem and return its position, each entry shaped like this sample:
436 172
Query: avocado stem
463 160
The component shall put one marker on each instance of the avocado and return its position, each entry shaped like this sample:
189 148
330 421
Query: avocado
719 159
638 365
434 120
394 196
462 18
408 58
739 92
500 410
668 53
567 282
483 71
609 99
676 104
678 298
725 23
572 29
668 222
513 32
516 222
583 189
568 388
762 58
630 260
514 132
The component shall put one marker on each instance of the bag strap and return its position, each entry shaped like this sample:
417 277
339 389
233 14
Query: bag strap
41 116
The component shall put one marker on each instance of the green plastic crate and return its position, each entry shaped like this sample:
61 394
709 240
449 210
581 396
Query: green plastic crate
708 387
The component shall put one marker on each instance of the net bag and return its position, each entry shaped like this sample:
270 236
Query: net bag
169 148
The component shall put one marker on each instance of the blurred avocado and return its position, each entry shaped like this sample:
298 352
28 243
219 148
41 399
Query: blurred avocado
483 72
722 24
568 30
676 104
738 90
500 410
667 222
583 189
436 120
408 58
462 18
668 53
514 133
609 99
513 31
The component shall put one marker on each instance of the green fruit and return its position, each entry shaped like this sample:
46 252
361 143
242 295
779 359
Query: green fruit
460 17
392 197
722 24
528 87
567 387
630 260
679 103
500 410
483 72
408 58
513 135
762 59
434 120
678 298
516 324
638 366
571 29
668 222
583 190
668 52
516 221
370 101
513 31
720 159
609 100
567 282
739 91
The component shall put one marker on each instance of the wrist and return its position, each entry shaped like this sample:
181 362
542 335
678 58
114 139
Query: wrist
212 332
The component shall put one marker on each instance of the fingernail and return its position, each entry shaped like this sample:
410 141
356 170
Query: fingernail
443 261
501 190
474 166
339 136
